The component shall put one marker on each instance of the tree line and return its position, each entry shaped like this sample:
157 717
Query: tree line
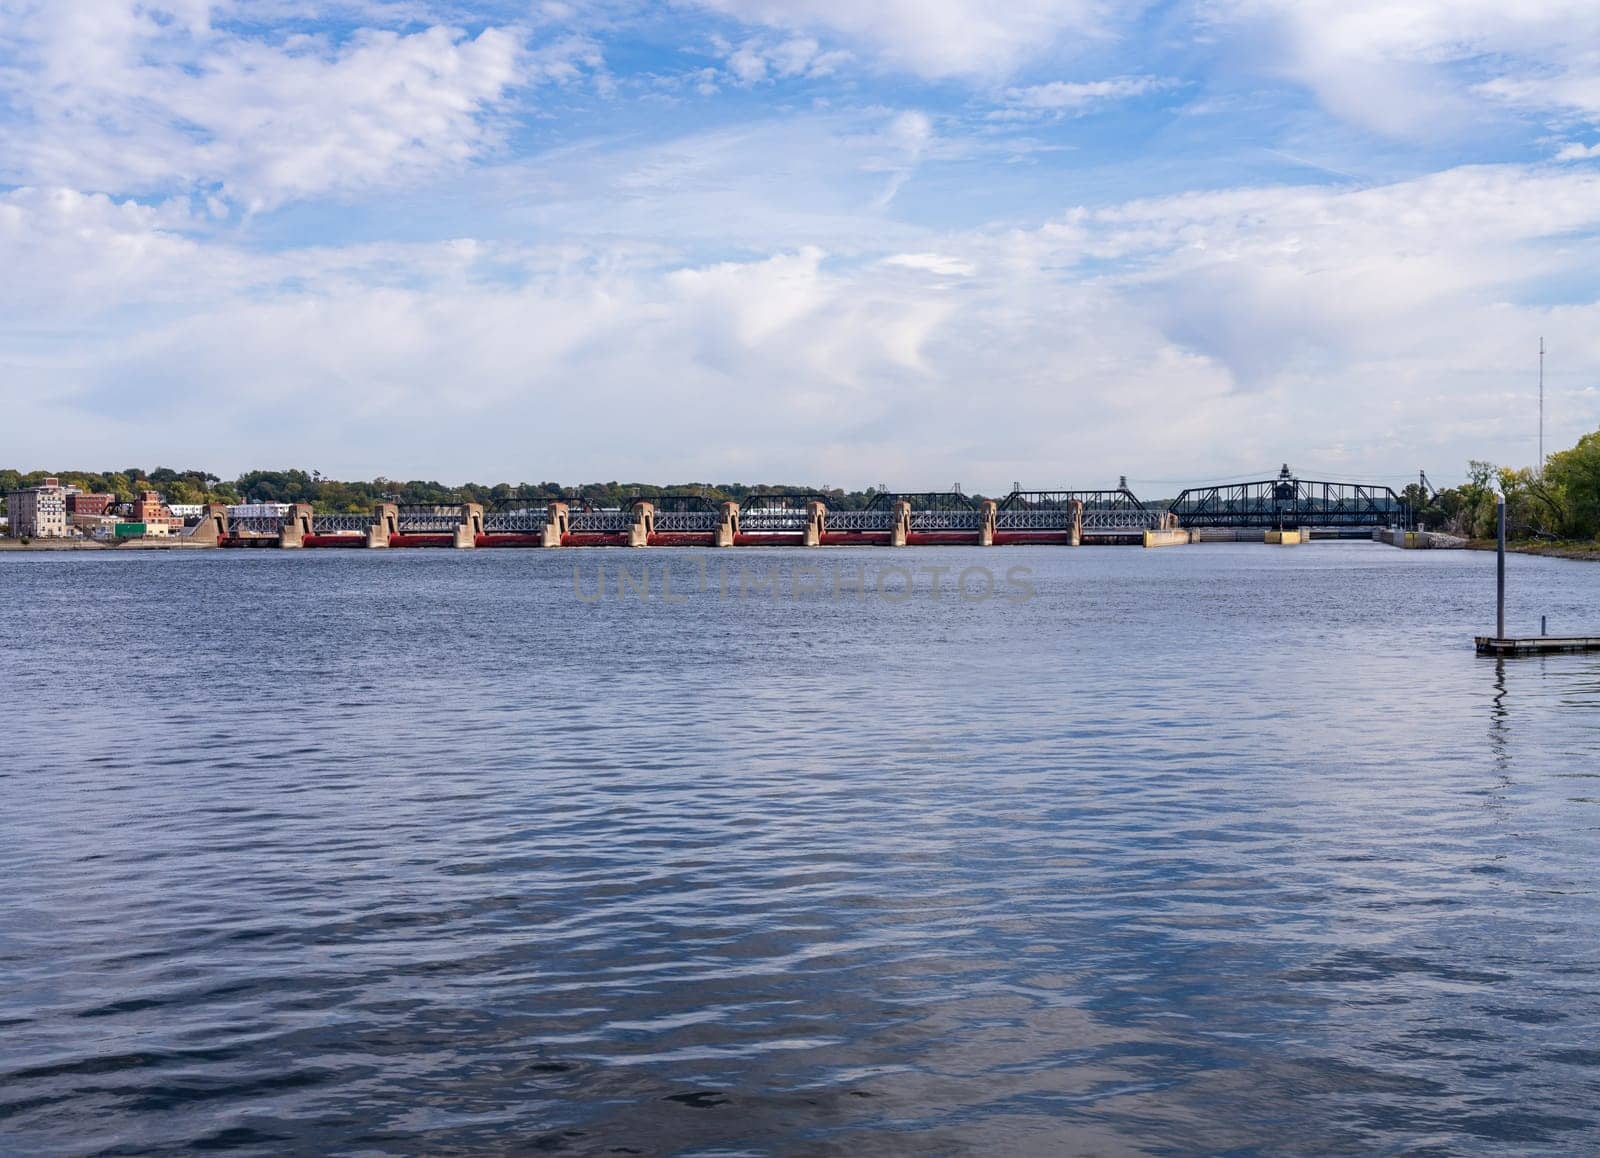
336 496
1560 504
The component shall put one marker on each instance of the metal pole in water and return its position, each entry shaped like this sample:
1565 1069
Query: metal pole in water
1500 566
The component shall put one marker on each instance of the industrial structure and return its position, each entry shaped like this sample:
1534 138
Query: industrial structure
1283 510
1287 503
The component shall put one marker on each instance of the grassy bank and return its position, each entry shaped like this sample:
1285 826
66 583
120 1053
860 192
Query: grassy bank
1560 550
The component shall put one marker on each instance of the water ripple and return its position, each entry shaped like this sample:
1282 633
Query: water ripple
1224 849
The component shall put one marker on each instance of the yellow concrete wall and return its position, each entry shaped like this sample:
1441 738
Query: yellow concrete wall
1170 538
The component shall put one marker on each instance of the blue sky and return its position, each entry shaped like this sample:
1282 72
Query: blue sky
815 241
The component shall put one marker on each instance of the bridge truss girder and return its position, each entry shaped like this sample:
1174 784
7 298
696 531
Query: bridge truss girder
1287 502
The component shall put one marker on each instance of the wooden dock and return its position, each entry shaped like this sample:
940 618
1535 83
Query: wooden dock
1537 644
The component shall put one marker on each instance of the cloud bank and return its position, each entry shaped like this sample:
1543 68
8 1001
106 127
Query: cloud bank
815 242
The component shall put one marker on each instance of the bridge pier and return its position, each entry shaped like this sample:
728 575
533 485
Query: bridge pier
1285 538
558 522
385 524
1172 538
728 526
212 527
816 523
988 511
902 523
1168 534
643 524
296 526
465 536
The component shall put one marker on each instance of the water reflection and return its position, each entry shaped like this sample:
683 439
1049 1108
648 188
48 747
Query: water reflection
1499 740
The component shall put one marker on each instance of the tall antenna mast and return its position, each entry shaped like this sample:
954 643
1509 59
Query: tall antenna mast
1541 407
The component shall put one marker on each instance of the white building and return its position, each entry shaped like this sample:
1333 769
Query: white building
39 512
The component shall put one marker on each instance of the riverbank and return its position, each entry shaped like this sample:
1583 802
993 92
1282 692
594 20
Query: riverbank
174 544
1587 552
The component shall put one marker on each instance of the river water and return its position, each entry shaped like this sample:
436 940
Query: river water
1224 848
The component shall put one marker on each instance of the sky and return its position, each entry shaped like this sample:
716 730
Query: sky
822 242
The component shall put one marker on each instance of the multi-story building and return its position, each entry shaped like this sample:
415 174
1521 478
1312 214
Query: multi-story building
38 512
258 510
85 503
148 505
149 509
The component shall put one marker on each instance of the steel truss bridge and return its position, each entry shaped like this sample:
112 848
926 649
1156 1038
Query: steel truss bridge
256 524
599 522
340 524
1287 502
430 520
777 512
1104 511
929 511
517 522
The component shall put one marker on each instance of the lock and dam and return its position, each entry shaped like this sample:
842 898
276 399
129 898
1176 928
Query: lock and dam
1283 511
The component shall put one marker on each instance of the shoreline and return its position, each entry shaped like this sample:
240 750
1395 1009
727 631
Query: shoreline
90 545
1574 551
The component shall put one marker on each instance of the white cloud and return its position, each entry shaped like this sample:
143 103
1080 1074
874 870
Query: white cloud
124 97
906 141
1074 97
1281 281
1573 83
747 63
1414 69
760 59
1161 337
936 263
777 261
940 38
775 183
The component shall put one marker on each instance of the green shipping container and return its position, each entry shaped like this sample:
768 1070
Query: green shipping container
129 531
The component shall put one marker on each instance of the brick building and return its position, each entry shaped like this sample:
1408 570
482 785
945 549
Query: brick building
150 510
84 503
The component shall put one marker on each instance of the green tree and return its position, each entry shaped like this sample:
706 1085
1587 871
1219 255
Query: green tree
1534 508
1577 473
